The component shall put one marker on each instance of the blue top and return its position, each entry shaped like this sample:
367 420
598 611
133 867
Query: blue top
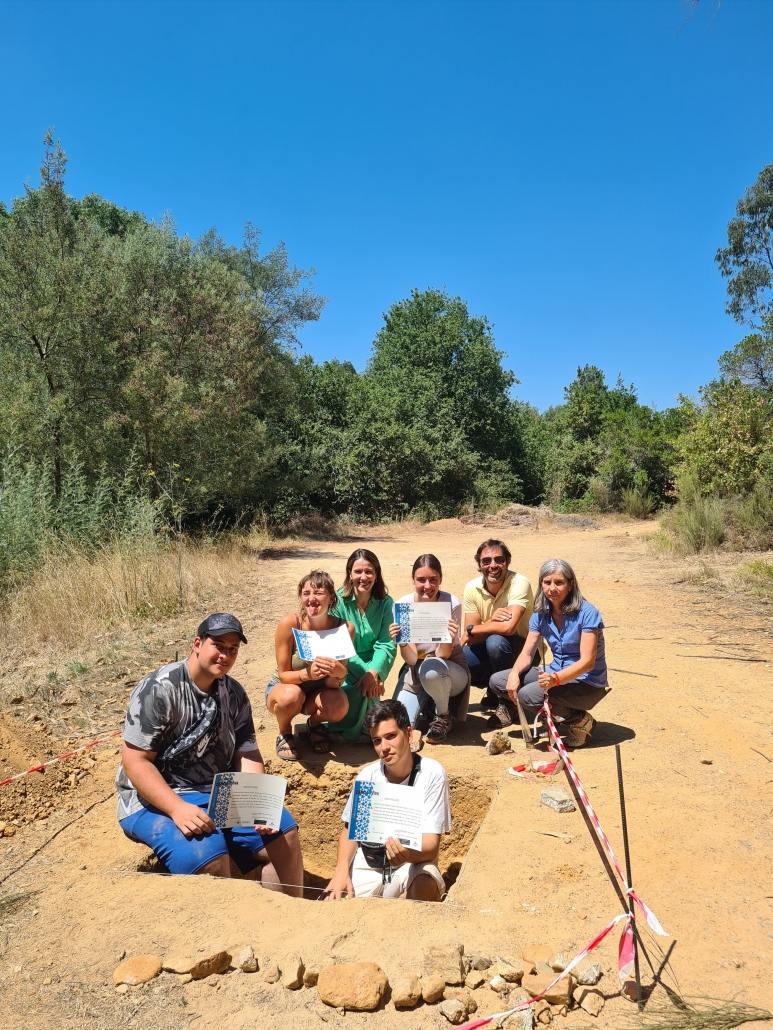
565 643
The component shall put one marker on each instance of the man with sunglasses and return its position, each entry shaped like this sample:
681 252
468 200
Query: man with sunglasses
497 606
187 721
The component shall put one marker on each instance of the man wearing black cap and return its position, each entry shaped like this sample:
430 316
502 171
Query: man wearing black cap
187 721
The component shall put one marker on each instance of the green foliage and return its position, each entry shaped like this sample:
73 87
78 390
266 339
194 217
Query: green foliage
751 360
747 261
697 523
757 578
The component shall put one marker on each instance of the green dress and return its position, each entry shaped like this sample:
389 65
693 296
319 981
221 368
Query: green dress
374 649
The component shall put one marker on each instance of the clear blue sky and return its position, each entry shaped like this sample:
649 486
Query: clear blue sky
567 168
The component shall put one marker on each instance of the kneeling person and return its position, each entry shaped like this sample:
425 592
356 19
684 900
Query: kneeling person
398 871
187 721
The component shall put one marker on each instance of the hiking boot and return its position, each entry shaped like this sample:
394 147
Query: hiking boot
438 730
489 701
579 730
503 715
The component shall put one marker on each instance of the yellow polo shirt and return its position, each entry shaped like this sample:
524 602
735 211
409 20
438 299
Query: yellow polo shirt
516 590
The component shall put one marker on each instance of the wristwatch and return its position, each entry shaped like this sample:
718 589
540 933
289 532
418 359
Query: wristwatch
469 629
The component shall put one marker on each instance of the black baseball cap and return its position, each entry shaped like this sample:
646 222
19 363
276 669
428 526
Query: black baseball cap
220 623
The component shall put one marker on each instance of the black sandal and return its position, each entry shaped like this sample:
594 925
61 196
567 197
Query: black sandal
320 741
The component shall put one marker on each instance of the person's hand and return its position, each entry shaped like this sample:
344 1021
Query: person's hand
395 852
339 887
453 628
191 820
266 831
394 630
371 684
513 685
546 680
501 615
321 667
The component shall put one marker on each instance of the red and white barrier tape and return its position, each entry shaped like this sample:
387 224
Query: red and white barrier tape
589 947
101 739
649 915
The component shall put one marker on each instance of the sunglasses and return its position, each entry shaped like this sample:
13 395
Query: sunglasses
498 559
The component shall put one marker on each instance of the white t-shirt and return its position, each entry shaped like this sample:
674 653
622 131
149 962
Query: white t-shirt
424 650
430 778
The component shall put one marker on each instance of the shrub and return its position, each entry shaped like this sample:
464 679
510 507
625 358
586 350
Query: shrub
757 577
697 523
637 502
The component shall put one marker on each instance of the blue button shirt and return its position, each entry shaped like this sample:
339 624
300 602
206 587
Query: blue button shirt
565 643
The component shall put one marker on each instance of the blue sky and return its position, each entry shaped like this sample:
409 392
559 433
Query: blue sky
568 169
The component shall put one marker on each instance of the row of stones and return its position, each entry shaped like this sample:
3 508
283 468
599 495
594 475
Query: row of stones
448 979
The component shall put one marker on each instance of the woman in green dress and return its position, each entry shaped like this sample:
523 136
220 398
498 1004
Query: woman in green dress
364 602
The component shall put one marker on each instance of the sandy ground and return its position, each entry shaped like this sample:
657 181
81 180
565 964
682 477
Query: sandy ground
695 740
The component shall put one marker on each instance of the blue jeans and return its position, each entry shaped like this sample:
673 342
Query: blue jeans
493 654
568 701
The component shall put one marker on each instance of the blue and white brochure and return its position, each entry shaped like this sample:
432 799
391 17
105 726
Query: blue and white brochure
423 622
381 810
326 643
247 799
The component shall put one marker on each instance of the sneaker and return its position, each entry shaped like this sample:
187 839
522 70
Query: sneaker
438 730
502 716
580 730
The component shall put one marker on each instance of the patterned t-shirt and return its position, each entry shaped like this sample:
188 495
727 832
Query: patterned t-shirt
194 734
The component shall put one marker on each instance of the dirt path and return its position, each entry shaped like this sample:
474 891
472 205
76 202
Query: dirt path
697 787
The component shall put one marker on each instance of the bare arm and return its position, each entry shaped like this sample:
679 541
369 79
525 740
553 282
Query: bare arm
140 766
504 621
398 854
588 646
320 667
523 662
340 885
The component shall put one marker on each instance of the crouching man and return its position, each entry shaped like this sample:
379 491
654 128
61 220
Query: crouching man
187 721
392 870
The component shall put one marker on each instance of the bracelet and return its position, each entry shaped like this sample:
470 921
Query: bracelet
556 680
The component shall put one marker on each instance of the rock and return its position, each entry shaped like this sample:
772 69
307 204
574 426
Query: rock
474 979
209 963
479 961
137 970
186 978
292 972
122 989
536 953
310 977
177 962
447 963
559 962
499 984
508 970
589 976
406 991
559 994
560 1010
359 986
590 1001
243 958
432 988
557 799
453 1010
464 996
498 744
271 972
542 1013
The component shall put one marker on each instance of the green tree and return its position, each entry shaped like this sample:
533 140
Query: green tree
747 260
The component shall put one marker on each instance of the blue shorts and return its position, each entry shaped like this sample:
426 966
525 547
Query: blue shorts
183 855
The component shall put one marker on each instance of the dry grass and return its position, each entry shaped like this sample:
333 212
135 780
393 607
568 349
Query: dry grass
74 594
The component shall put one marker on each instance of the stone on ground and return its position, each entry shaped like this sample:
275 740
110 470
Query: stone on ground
536 953
464 996
359 986
271 972
453 1010
292 971
474 979
510 971
178 962
498 744
209 962
433 988
406 991
243 958
558 994
543 1014
499 984
557 799
590 1001
479 962
447 963
137 970
310 976
589 976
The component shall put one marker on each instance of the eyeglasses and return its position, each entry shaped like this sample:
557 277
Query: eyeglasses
498 559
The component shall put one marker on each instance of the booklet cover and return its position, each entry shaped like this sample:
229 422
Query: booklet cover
327 643
423 622
247 799
381 810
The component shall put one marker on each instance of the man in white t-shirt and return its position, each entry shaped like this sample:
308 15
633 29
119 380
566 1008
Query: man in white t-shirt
393 870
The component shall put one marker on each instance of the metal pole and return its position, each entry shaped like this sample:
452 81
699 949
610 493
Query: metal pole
637 972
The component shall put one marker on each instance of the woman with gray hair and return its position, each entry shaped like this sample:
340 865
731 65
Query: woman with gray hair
576 679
